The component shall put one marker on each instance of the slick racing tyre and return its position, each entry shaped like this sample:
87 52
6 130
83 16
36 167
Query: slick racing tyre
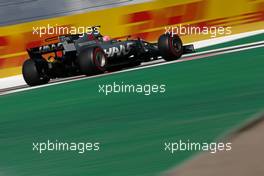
170 47
32 75
92 61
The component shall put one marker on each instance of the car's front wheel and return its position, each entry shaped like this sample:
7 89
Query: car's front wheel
170 47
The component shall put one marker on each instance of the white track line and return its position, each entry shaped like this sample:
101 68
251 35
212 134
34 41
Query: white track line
225 39
188 57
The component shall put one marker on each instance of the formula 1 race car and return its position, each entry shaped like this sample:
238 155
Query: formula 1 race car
90 54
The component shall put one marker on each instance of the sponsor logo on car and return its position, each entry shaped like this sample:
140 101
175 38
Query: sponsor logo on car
118 51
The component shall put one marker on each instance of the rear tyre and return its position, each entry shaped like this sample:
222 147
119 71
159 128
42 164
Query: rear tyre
32 75
92 61
170 48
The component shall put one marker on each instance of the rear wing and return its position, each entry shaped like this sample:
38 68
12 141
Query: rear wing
39 51
64 42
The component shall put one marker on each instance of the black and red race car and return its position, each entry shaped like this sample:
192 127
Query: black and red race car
93 54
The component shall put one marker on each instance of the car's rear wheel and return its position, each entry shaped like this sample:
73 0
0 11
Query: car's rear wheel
92 61
32 75
170 48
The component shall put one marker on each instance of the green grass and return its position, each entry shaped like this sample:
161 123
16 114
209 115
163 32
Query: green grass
204 99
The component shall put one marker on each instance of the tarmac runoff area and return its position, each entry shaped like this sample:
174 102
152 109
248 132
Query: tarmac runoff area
244 159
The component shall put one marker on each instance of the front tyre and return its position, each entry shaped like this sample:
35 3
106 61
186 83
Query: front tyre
32 75
170 48
92 61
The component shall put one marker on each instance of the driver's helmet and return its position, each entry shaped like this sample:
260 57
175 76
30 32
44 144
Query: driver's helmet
106 38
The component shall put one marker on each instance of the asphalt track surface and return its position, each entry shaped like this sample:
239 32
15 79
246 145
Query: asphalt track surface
199 55
204 99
